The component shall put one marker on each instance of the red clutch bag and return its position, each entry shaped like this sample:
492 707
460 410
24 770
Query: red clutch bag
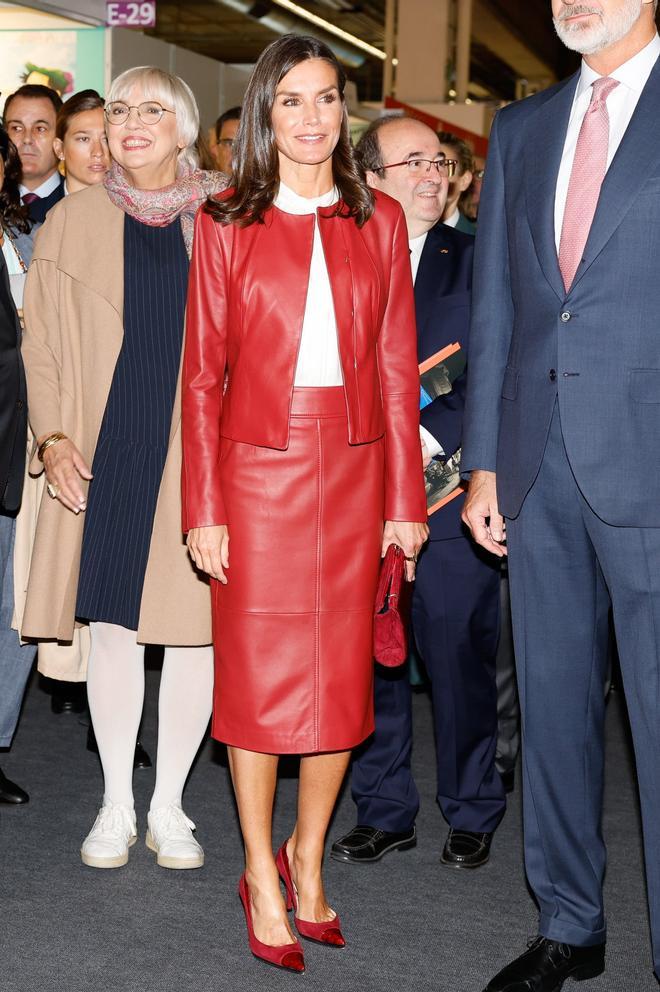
390 643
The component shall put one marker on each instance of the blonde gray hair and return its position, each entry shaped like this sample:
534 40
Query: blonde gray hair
174 94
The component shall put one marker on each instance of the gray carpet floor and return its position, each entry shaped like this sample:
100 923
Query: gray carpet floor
410 923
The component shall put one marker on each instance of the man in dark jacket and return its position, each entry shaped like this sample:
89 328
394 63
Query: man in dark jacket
15 661
456 597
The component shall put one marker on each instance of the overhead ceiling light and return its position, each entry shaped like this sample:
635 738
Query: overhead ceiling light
320 22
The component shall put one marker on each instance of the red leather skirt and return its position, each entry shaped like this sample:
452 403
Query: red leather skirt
293 625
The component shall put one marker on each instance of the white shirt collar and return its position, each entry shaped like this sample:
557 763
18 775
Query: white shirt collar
454 219
293 203
46 188
416 245
634 73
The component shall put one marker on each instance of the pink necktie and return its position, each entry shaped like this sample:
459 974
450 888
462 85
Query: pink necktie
29 198
587 174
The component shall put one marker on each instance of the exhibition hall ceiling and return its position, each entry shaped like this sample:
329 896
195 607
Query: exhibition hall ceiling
511 40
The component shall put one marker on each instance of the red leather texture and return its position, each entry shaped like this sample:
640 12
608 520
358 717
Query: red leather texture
246 303
293 627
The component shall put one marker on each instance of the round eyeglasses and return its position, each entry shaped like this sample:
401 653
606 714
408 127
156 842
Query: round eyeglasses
418 166
149 112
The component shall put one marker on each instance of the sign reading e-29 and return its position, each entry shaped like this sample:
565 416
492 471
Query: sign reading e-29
131 15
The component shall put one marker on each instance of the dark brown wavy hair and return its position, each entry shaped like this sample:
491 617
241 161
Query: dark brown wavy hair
255 164
12 212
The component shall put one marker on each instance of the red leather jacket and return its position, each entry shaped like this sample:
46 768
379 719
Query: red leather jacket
246 302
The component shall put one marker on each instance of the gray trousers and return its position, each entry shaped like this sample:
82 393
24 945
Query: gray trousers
15 660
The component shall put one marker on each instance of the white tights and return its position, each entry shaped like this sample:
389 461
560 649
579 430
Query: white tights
115 690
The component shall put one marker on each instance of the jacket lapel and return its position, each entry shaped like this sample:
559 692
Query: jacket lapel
432 276
637 155
544 146
100 271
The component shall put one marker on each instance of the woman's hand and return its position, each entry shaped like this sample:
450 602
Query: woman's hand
65 467
408 535
209 549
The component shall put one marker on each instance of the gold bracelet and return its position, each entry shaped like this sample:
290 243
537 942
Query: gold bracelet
46 443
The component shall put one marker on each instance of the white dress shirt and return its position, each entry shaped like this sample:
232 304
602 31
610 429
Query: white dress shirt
318 356
416 246
454 219
632 77
46 188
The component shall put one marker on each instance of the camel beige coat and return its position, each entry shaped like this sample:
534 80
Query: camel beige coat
73 335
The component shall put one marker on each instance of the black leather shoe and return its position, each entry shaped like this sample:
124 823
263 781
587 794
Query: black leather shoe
508 780
141 758
545 966
12 793
365 844
464 849
68 697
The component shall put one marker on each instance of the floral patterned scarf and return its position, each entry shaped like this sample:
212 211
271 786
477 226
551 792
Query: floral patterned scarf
159 207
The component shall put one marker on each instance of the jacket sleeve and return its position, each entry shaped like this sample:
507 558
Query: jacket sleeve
203 377
42 341
492 320
405 497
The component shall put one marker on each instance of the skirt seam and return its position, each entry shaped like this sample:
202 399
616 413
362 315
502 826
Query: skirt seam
319 559
287 613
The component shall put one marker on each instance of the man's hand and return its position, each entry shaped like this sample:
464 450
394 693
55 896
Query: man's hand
481 514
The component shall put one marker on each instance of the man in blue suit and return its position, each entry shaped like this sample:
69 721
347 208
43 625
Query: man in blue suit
30 117
564 388
456 596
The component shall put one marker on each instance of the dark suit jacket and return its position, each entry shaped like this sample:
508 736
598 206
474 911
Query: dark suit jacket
37 211
442 306
594 350
13 400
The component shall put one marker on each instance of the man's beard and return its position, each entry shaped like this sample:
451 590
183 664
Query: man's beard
607 30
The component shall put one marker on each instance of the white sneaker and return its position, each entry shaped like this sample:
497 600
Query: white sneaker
170 836
107 843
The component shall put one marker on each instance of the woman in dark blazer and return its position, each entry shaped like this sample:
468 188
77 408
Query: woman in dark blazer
301 447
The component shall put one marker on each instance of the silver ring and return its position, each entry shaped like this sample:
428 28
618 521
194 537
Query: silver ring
52 490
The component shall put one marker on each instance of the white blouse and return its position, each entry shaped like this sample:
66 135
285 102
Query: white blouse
318 357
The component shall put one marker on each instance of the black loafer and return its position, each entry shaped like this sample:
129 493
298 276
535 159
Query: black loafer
545 966
464 849
363 845
68 697
12 793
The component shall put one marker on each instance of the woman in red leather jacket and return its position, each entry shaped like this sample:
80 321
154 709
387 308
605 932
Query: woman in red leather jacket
302 462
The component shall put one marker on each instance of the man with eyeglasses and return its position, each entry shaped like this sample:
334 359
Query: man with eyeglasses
456 594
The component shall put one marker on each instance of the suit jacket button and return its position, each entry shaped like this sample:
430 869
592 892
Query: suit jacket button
566 316
552 375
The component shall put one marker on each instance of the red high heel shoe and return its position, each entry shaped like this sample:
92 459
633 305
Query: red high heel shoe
328 932
287 956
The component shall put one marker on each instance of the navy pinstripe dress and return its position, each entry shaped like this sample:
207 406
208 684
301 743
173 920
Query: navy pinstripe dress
132 445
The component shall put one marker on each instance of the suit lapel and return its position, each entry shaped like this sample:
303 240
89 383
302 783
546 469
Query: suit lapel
543 153
636 157
432 276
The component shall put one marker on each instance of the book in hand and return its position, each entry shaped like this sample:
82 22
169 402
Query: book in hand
437 375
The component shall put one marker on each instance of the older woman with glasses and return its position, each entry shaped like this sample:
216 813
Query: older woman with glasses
104 331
